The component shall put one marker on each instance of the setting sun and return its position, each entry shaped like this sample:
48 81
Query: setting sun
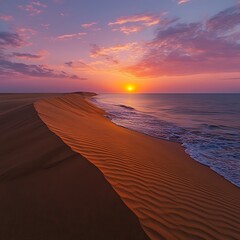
130 87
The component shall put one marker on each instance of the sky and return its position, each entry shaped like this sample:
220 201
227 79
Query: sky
165 46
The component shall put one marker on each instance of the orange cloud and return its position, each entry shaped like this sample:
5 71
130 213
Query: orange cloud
140 21
145 19
129 29
100 51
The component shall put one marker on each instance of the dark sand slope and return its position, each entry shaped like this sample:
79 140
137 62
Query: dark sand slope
49 192
173 196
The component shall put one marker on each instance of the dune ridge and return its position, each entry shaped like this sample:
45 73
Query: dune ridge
48 191
173 196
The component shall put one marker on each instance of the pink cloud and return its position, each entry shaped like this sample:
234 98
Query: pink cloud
26 31
88 25
193 48
6 18
71 36
26 34
183 1
115 53
39 4
34 8
63 14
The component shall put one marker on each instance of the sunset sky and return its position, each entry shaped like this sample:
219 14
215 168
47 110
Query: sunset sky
104 45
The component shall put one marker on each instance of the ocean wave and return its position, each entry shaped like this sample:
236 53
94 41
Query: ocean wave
126 107
216 146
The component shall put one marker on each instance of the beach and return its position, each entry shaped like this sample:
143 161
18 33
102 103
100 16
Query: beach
68 172
47 191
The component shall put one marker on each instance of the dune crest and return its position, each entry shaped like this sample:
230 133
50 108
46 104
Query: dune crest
48 191
173 196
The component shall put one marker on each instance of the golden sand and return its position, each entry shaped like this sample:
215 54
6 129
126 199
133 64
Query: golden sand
49 192
173 196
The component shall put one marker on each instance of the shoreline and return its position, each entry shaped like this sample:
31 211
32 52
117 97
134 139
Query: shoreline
187 151
186 181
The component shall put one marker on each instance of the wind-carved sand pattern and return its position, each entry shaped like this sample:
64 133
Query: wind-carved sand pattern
173 196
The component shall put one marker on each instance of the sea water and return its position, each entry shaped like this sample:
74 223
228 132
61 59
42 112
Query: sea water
207 125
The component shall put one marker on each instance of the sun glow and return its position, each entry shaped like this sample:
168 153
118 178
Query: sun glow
130 88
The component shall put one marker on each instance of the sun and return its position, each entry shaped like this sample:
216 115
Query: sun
130 87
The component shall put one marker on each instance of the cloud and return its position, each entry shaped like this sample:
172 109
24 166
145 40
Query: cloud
225 20
63 14
10 39
128 52
33 8
39 4
88 25
71 36
134 23
6 18
26 34
69 64
8 67
128 29
79 65
183 1
45 26
26 31
194 48
146 19
97 51
29 56
26 56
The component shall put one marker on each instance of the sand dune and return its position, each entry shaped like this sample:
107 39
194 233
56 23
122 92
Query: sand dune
173 196
49 192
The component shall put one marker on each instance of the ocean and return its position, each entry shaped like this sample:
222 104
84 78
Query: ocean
207 125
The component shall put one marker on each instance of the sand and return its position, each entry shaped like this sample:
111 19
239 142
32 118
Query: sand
49 192
173 196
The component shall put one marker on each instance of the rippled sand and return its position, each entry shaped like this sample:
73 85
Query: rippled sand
173 196
49 192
